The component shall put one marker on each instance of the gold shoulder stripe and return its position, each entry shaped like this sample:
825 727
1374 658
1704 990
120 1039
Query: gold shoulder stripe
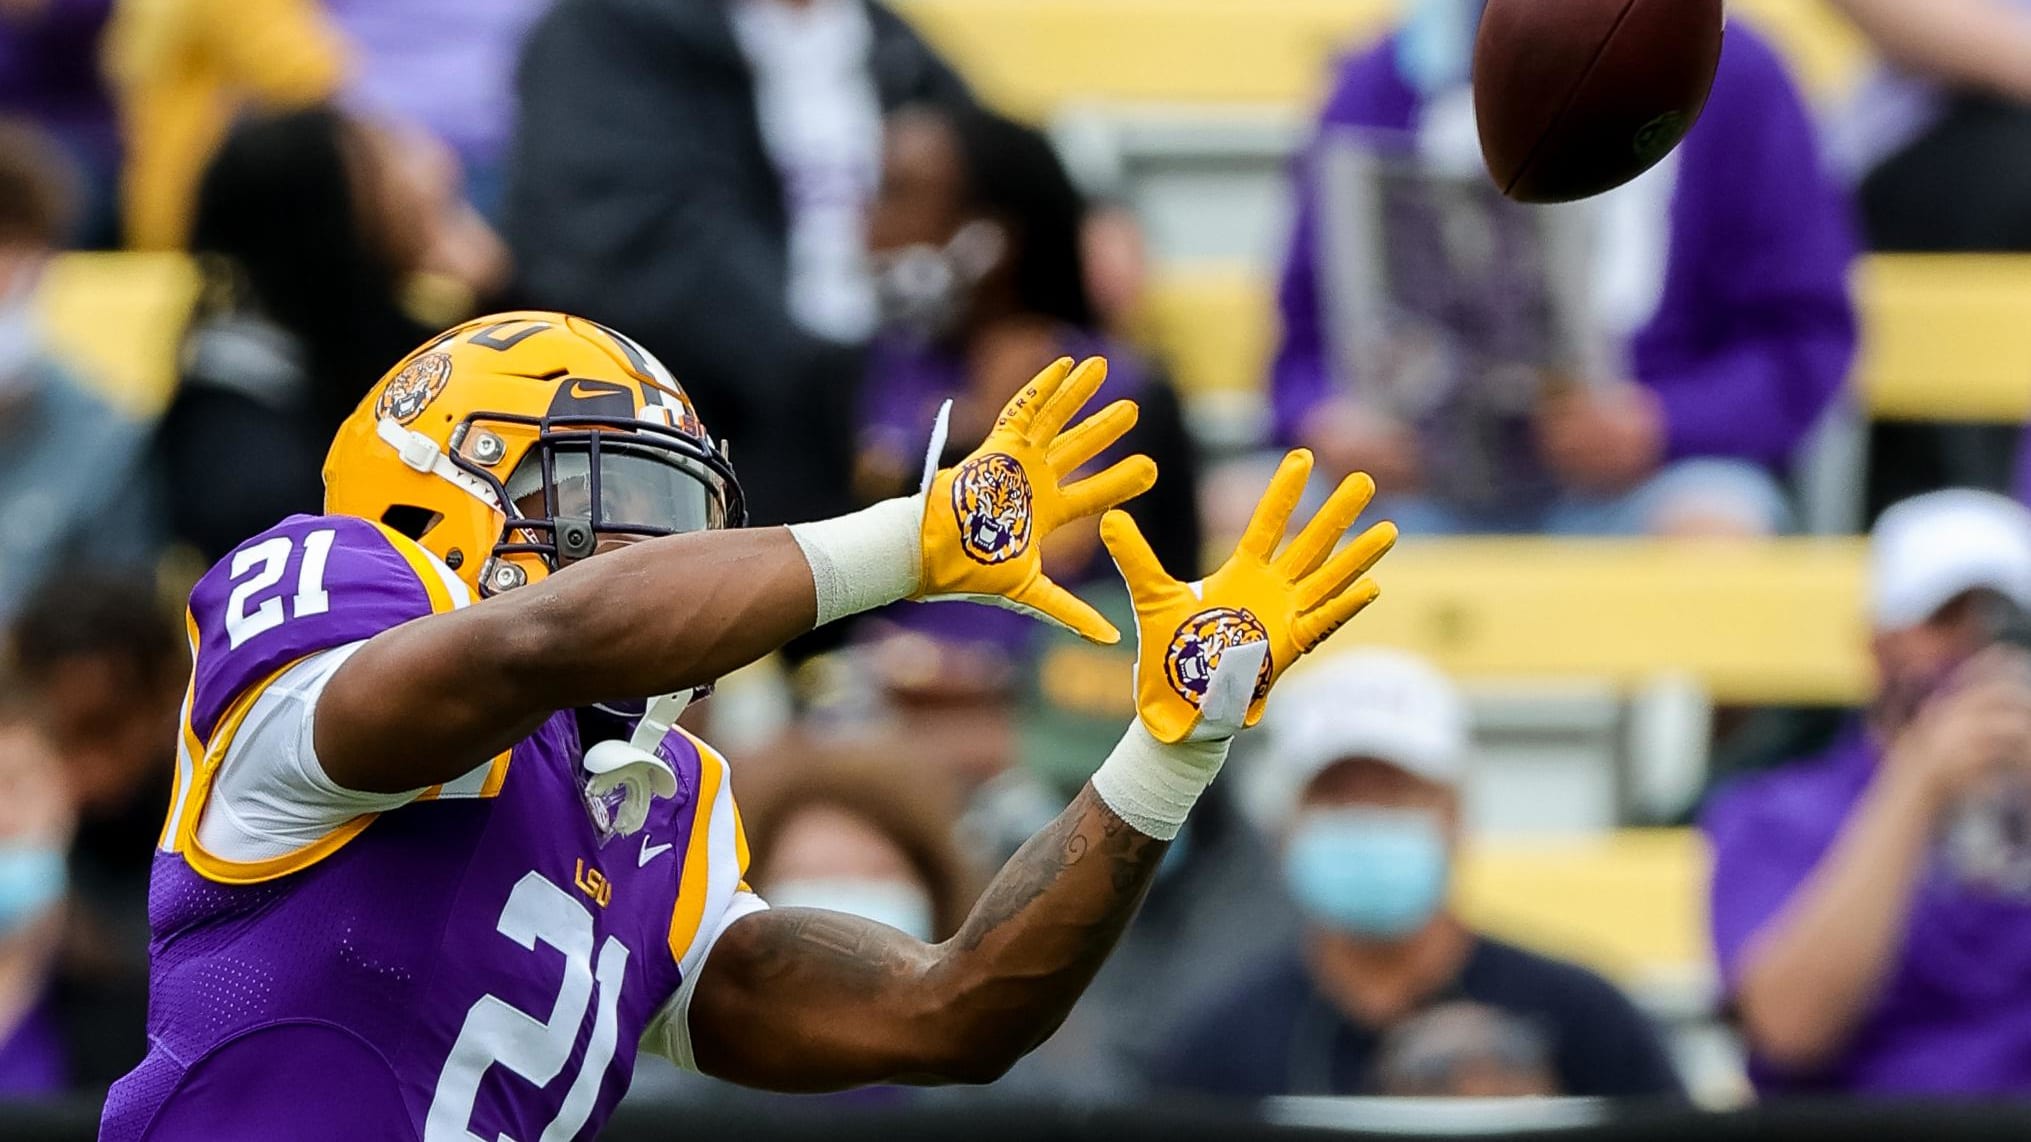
689 912
188 750
420 564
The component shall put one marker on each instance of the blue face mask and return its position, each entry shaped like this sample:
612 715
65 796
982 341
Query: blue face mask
32 877
1435 48
1378 873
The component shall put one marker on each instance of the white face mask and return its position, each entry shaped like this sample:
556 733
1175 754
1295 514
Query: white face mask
923 289
900 905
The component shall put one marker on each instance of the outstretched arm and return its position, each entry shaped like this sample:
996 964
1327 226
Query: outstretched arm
430 700
799 999
805 1000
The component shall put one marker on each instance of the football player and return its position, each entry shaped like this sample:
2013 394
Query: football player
435 869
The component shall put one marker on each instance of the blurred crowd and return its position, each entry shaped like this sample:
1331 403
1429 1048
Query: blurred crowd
805 210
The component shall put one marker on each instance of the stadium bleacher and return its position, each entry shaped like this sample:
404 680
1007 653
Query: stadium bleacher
1945 335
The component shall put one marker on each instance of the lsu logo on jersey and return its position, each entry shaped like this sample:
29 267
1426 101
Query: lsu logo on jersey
414 388
991 499
1200 641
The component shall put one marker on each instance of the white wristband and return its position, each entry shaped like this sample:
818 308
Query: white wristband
864 560
1152 785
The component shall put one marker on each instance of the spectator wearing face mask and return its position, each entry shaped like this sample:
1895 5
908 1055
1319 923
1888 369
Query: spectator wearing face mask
979 240
862 837
850 832
1716 316
1871 906
1361 776
102 667
72 483
62 1027
35 824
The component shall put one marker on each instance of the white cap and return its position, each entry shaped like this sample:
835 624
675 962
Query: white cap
1382 704
1929 549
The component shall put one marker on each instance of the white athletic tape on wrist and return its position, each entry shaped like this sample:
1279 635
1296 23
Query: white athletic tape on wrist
1153 786
868 559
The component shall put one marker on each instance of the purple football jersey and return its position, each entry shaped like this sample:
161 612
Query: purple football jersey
479 963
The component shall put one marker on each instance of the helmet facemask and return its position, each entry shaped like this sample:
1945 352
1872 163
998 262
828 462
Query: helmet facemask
583 482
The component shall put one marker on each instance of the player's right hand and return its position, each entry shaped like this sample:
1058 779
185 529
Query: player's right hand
986 518
1210 651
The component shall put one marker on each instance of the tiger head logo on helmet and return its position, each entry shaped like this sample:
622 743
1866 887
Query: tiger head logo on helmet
516 444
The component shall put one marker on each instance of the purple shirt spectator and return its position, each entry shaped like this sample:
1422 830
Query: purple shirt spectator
1954 1015
1754 331
32 1056
50 76
908 380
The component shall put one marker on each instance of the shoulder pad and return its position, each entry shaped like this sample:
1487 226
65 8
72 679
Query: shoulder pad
308 584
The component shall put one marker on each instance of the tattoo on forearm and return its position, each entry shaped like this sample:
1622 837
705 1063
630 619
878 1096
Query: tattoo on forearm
883 1005
1089 827
828 945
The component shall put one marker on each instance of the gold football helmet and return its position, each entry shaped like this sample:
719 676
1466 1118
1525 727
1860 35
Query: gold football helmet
512 445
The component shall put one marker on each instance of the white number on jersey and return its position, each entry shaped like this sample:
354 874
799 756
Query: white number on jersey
267 560
534 1049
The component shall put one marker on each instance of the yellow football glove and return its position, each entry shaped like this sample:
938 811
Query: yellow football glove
1209 651
985 519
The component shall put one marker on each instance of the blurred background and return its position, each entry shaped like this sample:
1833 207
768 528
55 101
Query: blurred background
1664 774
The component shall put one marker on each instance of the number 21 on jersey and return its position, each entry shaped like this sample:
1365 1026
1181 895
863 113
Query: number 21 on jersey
255 569
537 1049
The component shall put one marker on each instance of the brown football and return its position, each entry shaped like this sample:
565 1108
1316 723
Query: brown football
1577 97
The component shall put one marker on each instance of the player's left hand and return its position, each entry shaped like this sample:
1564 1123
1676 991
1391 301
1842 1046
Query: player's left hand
1211 650
985 519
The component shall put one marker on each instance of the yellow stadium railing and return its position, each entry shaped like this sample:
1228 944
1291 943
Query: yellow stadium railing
1037 56
1946 337
1780 621
1631 904
119 318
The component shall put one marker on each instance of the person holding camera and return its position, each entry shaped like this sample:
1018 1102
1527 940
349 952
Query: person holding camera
1872 907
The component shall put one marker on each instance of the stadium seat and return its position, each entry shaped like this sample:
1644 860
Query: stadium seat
1777 622
1037 57
1947 336
1630 904
118 318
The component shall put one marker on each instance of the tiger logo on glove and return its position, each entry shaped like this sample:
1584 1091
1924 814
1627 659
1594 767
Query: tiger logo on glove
991 500
1200 641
